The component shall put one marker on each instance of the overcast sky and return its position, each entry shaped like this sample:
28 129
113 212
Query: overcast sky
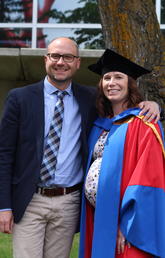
62 5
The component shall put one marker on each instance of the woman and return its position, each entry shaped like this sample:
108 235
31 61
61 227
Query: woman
123 208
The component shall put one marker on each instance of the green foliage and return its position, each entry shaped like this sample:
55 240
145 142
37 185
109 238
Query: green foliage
88 13
92 38
56 15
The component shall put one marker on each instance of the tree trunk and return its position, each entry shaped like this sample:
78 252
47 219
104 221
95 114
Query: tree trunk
130 27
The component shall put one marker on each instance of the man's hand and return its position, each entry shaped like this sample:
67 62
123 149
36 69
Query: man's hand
152 109
6 222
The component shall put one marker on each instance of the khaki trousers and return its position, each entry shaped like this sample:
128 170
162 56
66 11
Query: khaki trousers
47 227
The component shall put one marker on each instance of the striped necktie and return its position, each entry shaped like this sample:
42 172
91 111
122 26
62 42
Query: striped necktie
53 141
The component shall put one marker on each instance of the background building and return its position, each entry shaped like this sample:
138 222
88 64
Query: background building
27 26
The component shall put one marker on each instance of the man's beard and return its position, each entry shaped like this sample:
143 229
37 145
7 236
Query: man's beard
59 81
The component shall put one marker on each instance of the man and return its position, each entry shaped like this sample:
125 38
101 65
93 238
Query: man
40 193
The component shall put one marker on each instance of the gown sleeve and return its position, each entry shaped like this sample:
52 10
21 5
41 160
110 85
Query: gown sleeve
142 209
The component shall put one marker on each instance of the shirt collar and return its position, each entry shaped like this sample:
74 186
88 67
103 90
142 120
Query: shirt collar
50 89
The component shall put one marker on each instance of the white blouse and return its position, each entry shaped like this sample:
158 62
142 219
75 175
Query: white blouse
91 182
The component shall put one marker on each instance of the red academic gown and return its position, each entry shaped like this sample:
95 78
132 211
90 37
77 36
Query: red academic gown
143 156
144 167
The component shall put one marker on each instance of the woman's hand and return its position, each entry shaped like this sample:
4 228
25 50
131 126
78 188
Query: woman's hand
121 242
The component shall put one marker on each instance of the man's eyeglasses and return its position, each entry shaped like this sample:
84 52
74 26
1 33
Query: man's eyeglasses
68 58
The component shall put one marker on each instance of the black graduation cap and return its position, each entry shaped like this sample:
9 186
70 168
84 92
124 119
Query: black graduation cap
112 61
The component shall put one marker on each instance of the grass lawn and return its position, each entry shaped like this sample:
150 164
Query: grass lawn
6 246
74 251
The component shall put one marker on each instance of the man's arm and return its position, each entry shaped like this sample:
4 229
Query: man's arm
8 137
151 109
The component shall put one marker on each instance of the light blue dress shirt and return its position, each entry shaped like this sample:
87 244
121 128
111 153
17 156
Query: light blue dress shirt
69 170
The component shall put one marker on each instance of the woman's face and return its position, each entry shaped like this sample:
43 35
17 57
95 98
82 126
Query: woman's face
115 87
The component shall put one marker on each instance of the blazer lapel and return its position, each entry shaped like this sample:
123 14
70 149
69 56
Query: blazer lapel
39 119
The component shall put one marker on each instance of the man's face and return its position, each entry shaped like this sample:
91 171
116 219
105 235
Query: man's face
59 70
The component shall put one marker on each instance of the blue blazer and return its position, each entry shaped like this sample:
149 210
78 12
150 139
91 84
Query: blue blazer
22 139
